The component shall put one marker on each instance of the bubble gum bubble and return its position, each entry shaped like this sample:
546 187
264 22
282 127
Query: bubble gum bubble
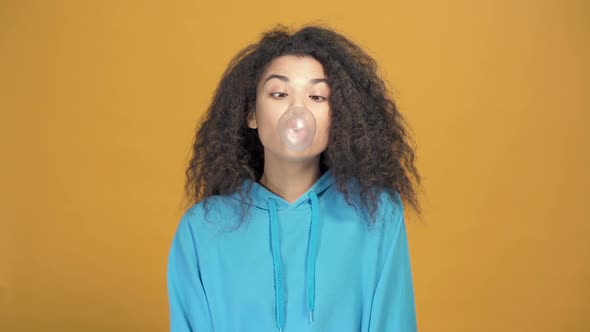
297 128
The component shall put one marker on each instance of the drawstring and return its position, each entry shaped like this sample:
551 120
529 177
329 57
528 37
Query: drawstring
312 253
275 245
278 265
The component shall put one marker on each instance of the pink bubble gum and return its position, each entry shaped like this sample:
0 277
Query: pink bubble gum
297 128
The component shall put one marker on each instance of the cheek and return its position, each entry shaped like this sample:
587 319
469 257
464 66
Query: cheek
323 126
322 130
267 125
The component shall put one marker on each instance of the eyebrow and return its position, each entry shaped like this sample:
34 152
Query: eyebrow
286 79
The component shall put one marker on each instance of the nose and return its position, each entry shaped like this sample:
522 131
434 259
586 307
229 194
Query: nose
299 99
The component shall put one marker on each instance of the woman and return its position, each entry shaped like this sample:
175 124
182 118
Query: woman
297 181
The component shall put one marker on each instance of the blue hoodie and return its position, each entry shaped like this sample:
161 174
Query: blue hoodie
312 265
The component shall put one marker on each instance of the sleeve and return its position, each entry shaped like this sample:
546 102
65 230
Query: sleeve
393 308
189 309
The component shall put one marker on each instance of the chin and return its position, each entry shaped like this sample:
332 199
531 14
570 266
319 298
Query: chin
283 153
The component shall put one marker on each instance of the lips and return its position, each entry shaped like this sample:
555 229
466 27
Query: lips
297 134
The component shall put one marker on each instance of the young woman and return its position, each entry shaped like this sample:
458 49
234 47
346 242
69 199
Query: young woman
297 182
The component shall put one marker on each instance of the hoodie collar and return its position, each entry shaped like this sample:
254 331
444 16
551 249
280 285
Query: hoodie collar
260 194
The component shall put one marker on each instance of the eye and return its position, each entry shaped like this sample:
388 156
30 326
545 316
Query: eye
277 95
318 98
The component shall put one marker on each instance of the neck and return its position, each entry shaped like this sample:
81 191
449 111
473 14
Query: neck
288 179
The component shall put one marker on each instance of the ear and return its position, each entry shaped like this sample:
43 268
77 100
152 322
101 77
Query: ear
252 119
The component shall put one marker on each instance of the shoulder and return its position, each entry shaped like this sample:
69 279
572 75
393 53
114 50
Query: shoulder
389 202
212 213
389 216
391 205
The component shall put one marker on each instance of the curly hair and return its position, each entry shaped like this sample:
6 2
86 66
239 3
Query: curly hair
369 140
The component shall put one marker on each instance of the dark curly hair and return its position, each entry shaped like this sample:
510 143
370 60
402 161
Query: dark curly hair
369 140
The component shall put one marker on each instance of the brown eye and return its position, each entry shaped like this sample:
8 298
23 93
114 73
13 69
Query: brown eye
278 94
318 98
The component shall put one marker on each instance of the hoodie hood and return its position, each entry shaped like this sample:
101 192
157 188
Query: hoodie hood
272 203
260 194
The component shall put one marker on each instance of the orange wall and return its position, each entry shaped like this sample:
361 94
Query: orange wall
98 103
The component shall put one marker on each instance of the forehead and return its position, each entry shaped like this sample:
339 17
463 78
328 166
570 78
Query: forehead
303 66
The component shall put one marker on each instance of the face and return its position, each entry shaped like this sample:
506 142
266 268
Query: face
289 81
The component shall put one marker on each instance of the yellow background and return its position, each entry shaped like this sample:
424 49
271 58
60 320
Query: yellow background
99 101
